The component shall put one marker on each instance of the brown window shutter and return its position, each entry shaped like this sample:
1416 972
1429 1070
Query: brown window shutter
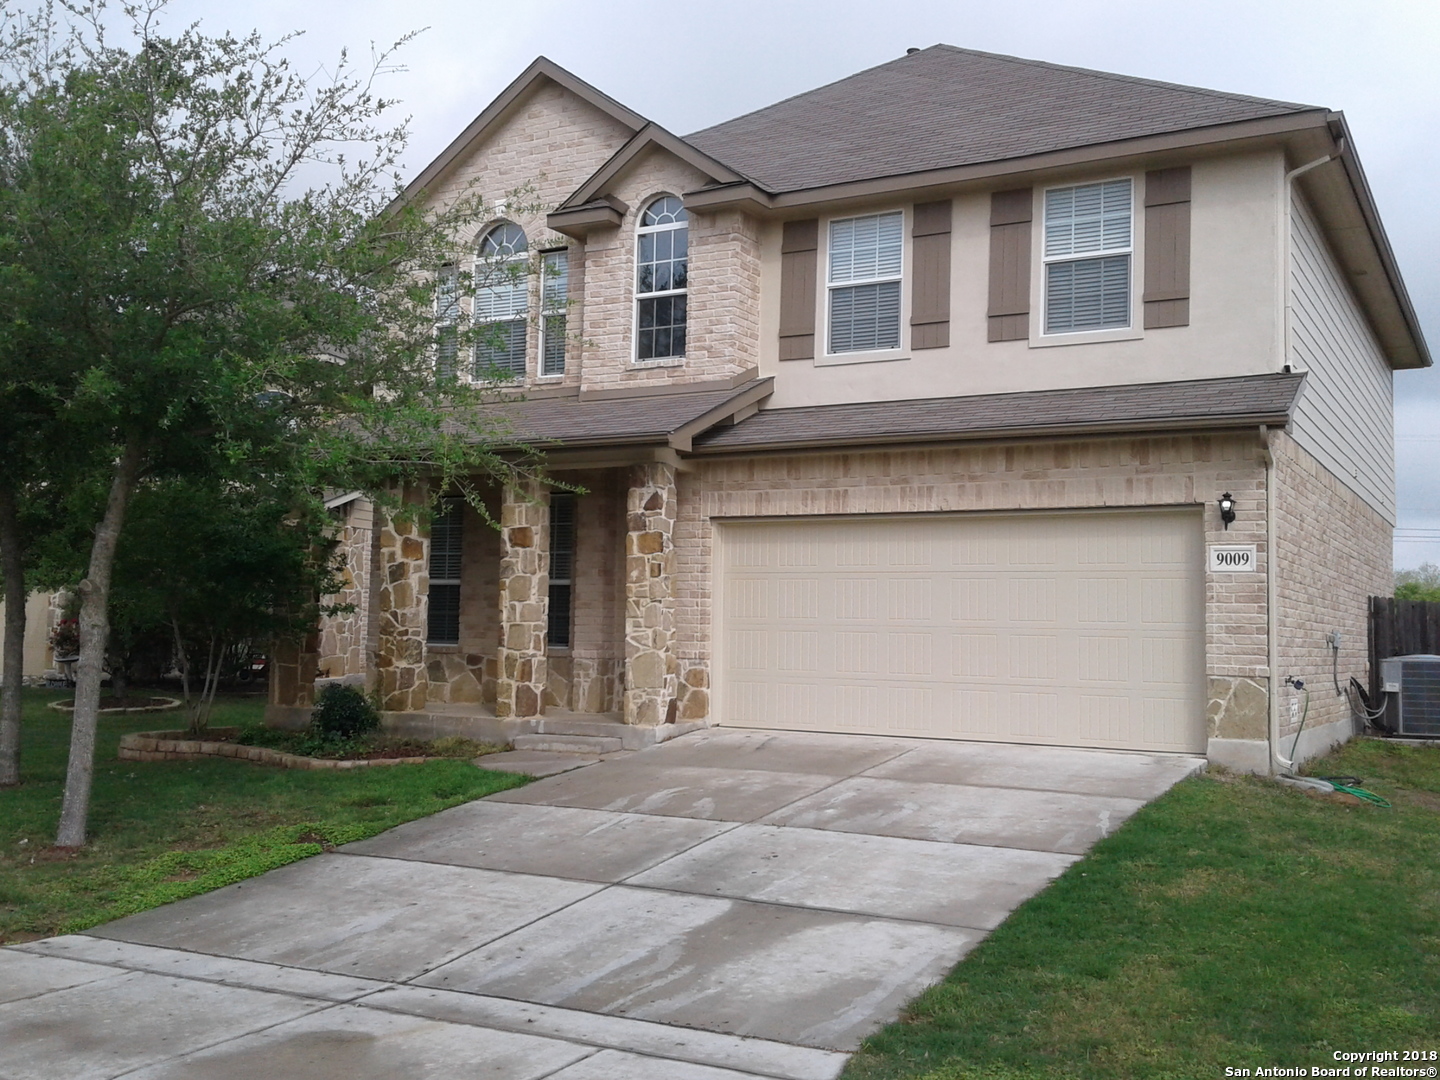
1010 216
1167 248
930 265
799 251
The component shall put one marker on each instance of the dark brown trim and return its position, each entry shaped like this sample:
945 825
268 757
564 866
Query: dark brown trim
650 136
1008 314
1167 248
930 274
1267 127
799 267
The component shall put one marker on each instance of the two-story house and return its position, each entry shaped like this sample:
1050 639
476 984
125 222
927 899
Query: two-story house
968 397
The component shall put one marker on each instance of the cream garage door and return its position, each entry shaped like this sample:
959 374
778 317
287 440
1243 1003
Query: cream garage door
1077 629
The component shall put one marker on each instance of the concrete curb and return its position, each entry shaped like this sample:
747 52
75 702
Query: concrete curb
174 746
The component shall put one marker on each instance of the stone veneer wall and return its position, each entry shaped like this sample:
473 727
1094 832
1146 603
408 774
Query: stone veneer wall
402 586
465 673
1335 553
651 667
343 640
524 587
1104 472
724 281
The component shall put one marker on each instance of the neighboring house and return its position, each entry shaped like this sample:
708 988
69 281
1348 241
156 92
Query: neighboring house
42 613
906 406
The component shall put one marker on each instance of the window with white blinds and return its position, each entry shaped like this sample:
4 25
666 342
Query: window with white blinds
502 303
447 319
866 255
442 624
554 299
1089 242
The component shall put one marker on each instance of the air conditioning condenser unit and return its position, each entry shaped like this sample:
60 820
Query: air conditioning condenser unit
1411 685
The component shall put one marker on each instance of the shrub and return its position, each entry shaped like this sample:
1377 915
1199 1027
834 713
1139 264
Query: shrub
344 712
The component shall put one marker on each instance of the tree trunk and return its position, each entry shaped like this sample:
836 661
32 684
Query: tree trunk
12 668
94 635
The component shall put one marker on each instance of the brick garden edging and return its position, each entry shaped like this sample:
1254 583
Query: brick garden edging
178 746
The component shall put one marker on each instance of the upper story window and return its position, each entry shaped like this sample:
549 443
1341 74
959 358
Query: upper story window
1089 241
661 258
447 321
502 302
554 299
866 255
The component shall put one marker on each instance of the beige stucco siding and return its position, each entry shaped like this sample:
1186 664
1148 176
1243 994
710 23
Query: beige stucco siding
37 634
1234 327
1345 417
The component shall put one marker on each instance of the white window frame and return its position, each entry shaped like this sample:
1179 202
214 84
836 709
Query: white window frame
646 230
1040 336
553 307
828 356
484 268
447 318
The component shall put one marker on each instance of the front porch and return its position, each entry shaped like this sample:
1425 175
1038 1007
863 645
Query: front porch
561 622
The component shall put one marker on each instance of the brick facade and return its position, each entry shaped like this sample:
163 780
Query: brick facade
1059 475
1335 553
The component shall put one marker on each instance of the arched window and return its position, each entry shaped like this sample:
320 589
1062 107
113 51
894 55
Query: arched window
502 302
662 244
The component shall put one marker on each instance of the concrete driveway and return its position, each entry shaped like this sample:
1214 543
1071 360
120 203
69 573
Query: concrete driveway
731 904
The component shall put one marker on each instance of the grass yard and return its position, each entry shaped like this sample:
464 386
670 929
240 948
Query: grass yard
163 830
1232 923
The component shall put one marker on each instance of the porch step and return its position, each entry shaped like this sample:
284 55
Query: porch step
607 729
570 744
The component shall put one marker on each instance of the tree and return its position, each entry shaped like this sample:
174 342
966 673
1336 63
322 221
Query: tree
1422 583
222 290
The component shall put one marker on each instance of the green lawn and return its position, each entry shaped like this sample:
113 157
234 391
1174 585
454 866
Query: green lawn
163 830
1233 922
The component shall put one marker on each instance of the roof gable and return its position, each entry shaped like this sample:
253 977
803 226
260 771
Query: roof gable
541 70
651 136
943 107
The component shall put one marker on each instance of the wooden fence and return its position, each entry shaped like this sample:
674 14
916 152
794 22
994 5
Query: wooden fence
1400 628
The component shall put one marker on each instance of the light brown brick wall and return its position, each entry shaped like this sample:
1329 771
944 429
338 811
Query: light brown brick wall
553 142
1335 553
1118 472
723 336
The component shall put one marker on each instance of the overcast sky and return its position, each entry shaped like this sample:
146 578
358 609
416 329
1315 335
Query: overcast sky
689 65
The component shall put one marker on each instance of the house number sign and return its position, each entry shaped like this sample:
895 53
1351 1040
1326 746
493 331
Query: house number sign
1232 558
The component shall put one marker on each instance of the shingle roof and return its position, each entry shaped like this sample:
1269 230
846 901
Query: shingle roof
1249 399
574 421
943 107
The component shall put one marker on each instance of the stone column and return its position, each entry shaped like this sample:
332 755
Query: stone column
402 587
293 667
651 668
524 599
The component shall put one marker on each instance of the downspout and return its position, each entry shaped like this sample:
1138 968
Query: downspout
1286 199
1272 618
1277 763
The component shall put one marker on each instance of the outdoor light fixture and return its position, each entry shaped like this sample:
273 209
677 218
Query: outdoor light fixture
1227 508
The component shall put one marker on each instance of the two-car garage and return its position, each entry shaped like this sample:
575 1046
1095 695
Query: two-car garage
1076 629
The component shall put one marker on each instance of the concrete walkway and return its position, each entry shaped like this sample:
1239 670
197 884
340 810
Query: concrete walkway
729 905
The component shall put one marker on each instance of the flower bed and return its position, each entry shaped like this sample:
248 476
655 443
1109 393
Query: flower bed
182 745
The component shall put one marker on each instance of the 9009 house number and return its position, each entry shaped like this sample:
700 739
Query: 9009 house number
1232 558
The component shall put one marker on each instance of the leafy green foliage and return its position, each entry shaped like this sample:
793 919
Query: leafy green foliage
1422 583
165 830
344 712
1233 922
